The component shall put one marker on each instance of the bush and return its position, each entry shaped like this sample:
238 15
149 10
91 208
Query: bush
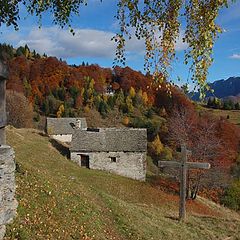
166 154
231 198
153 126
20 111
152 169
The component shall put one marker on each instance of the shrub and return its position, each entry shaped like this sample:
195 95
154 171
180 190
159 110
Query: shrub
156 147
152 169
166 154
125 121
231 198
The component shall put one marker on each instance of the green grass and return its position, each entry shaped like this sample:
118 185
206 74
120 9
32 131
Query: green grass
233 115
59 200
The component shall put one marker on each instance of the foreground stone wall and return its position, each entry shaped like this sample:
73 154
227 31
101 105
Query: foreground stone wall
128 164
8 203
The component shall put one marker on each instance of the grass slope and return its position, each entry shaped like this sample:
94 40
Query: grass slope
59 200
232 115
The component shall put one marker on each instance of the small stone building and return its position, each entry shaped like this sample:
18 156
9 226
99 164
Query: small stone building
62 129
117 150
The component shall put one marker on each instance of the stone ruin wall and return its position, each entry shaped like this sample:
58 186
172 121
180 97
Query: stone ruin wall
128 164
8 203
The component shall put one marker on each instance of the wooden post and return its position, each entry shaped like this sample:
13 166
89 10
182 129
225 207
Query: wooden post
184 165
183 184
3 118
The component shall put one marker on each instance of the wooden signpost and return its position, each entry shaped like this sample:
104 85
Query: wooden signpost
184 165
3 118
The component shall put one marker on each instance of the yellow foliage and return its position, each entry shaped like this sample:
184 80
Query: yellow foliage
126 120
91 84
140 93
82 91
157 145
60 111
86 109
129 104
98 98
132 92
145 98
105 98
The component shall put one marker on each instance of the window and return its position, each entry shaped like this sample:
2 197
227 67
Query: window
113 159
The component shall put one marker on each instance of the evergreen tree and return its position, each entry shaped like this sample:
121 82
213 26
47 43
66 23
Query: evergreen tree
237 106
20 51
210 102
103 108
228 105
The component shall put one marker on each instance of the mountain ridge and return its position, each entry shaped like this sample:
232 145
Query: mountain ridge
222 88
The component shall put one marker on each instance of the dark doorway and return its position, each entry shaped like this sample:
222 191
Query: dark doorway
84 161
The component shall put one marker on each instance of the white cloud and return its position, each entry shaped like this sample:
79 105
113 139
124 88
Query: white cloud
93 43
61 43
180 45
235 56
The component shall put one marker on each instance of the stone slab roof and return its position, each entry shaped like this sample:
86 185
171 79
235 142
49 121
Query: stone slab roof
57 126
110 140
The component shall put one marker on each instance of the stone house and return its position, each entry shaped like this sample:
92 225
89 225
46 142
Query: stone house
118 150
62 129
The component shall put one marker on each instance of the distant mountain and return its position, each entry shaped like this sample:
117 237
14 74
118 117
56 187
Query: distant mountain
223 89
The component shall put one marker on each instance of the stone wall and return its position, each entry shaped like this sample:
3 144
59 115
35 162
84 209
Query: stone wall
8 204
65 138
128 164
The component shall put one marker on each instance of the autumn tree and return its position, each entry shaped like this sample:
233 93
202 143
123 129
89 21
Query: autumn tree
156 147
20 111
88 91
199 134
60 111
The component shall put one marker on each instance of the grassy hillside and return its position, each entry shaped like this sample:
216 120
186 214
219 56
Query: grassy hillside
59 200
232 115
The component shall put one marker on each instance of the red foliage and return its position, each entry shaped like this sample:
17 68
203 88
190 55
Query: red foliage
18 70
176 99
101 76
128 78
230 135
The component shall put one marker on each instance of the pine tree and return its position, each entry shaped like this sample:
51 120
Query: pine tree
237 106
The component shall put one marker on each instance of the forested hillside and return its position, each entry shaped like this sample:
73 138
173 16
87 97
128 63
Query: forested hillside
43 86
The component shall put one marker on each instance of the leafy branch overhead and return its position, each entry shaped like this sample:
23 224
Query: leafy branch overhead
157 22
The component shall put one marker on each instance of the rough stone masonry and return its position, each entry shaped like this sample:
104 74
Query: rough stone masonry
8 203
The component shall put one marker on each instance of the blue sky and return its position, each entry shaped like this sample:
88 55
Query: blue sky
95 27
